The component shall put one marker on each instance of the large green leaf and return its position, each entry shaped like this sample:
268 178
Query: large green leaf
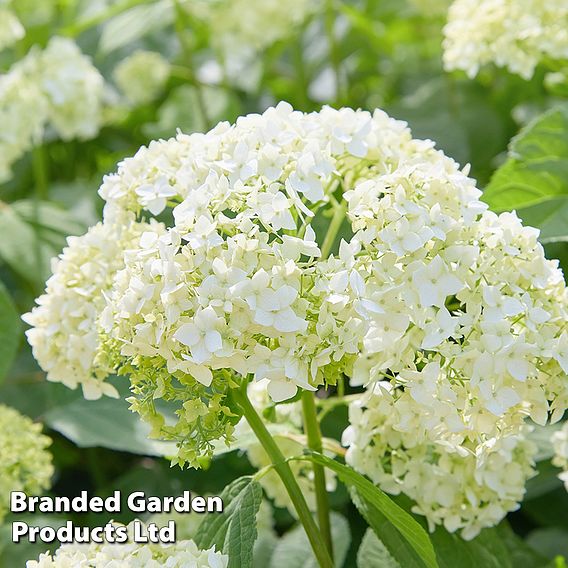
550 216
537 167
234 531
373 552
105 423
377 508
131 25
293 549
10 327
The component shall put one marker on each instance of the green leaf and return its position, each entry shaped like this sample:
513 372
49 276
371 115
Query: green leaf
372 552
234 531
537 167
485 550
10 327
105 423
398 547
550 542
377 505
293 549
131 25
550 216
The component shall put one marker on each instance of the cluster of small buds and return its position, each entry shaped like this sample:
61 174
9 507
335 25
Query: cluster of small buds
57 86
182 554
560 459
142 76
516 34
25 463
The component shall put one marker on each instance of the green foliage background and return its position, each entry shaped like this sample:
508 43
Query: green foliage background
386 54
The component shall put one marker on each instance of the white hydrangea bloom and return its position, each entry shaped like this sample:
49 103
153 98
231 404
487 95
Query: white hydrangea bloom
462 484
73 87
182 554
11 29
560 459
456 306
59 86
516 34
25 463
142 76
240 23
65 336
23 112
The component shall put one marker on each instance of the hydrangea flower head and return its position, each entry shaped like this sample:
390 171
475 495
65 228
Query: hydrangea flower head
182 554
25 463
516 34
141 76
454 306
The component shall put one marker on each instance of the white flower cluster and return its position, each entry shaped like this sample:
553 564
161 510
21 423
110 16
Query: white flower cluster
240 23
182 554
516 34
25 463
142 76
465 486
284 421
57 86
455 307
11 29
560 459
64 336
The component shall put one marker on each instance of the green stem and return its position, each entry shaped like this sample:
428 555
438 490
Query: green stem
312 430
113 10
285 473
39 167
333 48
333 229
301 76
187 51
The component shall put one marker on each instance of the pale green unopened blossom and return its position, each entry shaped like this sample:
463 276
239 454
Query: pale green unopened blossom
560 459
25 463
516 34
141 76
182 554
11 29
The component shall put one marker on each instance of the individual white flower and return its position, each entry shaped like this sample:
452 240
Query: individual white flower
182 554
25 463
11 29
516 34
560 459
142 76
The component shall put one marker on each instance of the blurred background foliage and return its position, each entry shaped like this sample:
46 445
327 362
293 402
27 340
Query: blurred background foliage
362 54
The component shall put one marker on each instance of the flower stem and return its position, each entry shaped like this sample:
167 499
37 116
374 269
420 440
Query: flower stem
333 48
312 429
285 473
333 229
